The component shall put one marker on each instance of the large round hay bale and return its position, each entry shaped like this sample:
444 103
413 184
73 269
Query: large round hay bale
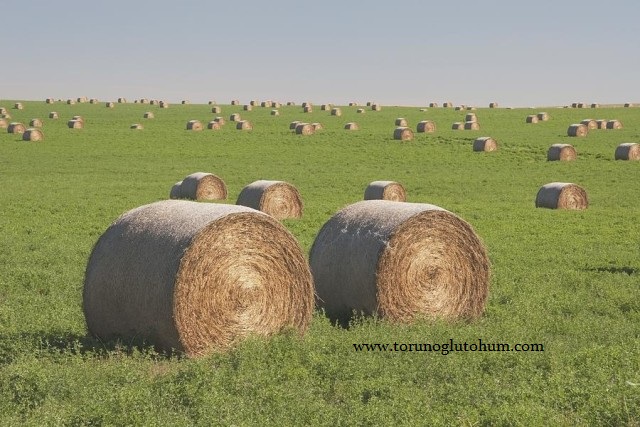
614 124
351 126
353 104
336 112
80 118
109 105
16 127
278 199
122 100
18 106
265 104
304 129
164 104
326 107
493 105
470 117
402 133
532 118
33 134
293 124
253 103
149 115
401 121
485 143
50 101
385 190
82 99
602 123
244 125
275 104
590 123
317 126
562 195
628 151
220 120
136 126
213 125
595 105
290 103
201 186
472 126
457 126
75 124
447 104
433 105
196 277
426 126
307 109
4 124
35 123
543 117
235 117
235 102
370 103
247 107
53 115
577 129
306 104
581 105
400 261
628 105
574 105
216 110
561 152
376 107
194 125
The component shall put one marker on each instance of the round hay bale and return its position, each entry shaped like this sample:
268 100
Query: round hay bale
574 105
18 106
4 124
543 117
426 126
561 152
211 102
203 186
595 105
470 117
194 125
581 105
93 101
50 101
577 129
628 151
275 112
401 121
433 105
149 115
75 124
136 126
235 102
244 125
216 110
447 104
33 134
78 118
153 102
144 101
53 115
81 100
122 100
278 199
247 107
3 110
532 118
304 129
602 123
235 117
385 190
290 103
220 120
275 104
485 143
351 126
376 107
614 124
306 104
71 101
472 126
213 125
185 102
164 104
470 108
360 111
628 105
292 125
327 107
35 123
109 105
369 103
196 277
353 104
457 126
336 112
317 126
493 105
403 134
399 261
16 127
562 195
307 109
590 123
253 102
264 104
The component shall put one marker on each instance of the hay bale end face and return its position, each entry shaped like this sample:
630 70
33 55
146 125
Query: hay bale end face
401 121
590 123
164 104
403 134
578 130
50 101
278 199
628 105
614 124
433 105
75 124
292 125
485 143
304 129
628 151
194 125
122 100
360 111
220 120
16 127
3 110
602 123
235 102
351 126
532 118
196 277
400 261
493 105
562 195
426 126
247 107
317 126
562 153
385 190
33 134
244 125
307 109
376 107
201 186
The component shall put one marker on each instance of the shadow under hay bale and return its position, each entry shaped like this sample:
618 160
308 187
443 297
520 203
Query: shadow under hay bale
278 199
562 195
385 190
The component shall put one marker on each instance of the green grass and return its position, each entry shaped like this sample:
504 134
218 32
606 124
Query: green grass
569 280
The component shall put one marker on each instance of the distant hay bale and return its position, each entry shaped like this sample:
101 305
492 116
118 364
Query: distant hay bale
75 124
292 125
317 126
401 121
144 101
562 195
577 129
628 105
50 101
493 105
136 126
602 123
122 100
562 153
216 110
470 108
18 106
32 134
532 118
153 102
235 102
369 103
211 102
290 103
5 116
307 109
16 127
581 105
213 125
247 107
275 105
399 261
80 118
385 190
4 124
186 102
472 126
574 105
306 104
427 126
628 151
81 100
543 117
164 104
470 117
200 186
590 123
220 120
304 129
433 105
109 105
595 105
459 108
3 110
353 104
326 107
360 111
264 104
278 199
71 101
485 143
447 104
457 126
149 115
35 123
336 112
244 125
235 117
614 124
196 277
376 107
194 125
53 115
403 134
275 112
93 101
253 103
351 126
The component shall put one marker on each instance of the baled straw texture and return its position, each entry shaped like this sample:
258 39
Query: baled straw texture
628 105
16 127
447 104
244 125
317 126
590 123
562 195
433 105
326 107
50 101
194 125
471 126
400 261
351 126
561 152
577 129
235 102
196 277
614 124
36 123
278 199
53 115
164 104
595 105
628 151
32 134
401 121
305 129
385 190
307 109
201 186
426 126
3 110
75 124
485 143
4 123
213 125
532 118
220 120
403 134
543 117
122 100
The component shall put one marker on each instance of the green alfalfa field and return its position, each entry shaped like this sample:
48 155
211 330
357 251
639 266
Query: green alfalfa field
569 280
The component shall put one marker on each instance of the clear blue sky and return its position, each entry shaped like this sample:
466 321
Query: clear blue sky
402 52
